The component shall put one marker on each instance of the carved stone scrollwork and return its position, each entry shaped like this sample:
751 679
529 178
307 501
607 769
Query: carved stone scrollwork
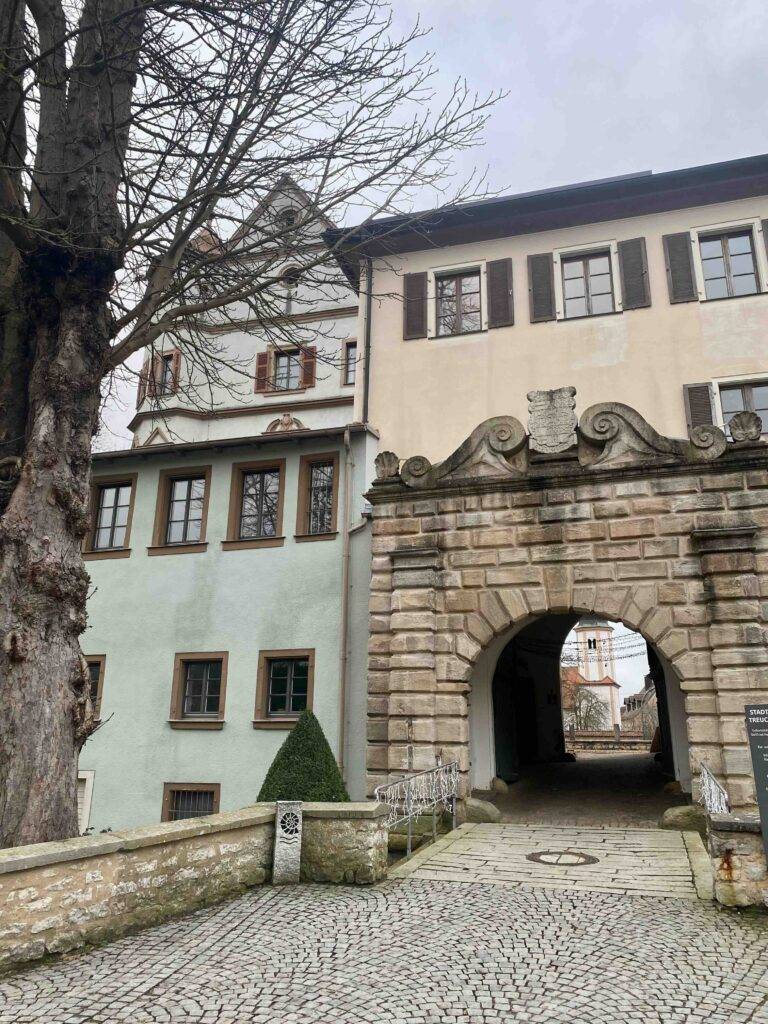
386 465
612 434
497 448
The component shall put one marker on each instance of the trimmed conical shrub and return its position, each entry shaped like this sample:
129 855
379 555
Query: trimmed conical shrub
304 767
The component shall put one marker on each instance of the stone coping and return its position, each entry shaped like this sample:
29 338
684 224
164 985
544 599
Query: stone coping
734 822
20 858
345 811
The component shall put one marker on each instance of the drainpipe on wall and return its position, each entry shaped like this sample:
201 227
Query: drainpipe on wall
349 465
367 338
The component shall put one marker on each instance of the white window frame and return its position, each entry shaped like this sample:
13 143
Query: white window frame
752 224
592 249
741 378
455 268
87 777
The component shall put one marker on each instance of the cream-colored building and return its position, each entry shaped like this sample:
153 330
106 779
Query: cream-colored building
635 288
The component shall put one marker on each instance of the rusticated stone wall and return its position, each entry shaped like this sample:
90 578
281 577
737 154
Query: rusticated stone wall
467 550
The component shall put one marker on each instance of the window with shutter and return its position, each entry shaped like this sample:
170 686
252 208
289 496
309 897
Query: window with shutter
414 306
633 265
681 279
262 371
541 287
308 367
698 405
500 299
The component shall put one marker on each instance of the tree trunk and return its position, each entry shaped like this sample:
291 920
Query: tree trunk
45 710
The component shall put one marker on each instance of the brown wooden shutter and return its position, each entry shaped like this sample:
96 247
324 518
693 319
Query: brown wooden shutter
155 374
262 371
699 407
541 287
681 279
308 365
501 310
175 369
143 382
414 306
633 265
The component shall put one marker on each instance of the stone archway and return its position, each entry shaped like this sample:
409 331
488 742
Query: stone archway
662 534
550 631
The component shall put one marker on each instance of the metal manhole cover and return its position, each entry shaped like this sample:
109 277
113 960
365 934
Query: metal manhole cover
562 858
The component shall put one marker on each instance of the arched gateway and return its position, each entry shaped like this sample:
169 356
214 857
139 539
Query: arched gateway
605 517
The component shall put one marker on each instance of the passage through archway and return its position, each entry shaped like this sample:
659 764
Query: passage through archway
577 719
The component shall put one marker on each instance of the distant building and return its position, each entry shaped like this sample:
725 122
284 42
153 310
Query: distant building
594 673
640 711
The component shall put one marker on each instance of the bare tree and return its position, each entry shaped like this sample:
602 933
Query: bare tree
585 711
137 137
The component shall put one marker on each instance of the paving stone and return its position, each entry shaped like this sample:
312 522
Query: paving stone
425 951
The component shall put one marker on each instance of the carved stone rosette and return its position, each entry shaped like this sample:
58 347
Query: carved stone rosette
496 448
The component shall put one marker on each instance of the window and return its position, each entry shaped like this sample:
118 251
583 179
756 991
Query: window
111 513
286 218
287 370
165 374
256 505
258 513
190 800
160 375
350 363
202 688
84 798
728 264
591 644
182 510
458 303
199 690
284 687
287 686
587 285
96 663
318 496
752 396
185 511
290 282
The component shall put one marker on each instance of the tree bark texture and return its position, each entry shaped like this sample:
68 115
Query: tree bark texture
46 711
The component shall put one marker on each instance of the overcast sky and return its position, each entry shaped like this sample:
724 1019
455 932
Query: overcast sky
594 89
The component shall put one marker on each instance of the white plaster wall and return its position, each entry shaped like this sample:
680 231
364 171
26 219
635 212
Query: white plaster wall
145 609
641 357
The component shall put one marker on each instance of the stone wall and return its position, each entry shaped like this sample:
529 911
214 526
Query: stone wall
738 859
464 552
344 843
57 896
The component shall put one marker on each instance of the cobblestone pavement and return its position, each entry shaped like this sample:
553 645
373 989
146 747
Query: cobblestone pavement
630 861
415 952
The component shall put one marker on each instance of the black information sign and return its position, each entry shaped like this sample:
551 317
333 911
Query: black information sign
757 731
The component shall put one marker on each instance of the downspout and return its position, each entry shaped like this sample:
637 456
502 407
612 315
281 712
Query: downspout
367 339
343 660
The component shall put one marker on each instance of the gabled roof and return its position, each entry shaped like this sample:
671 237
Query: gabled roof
284 186
587 202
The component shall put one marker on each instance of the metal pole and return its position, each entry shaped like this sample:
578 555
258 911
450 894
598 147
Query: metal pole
410 833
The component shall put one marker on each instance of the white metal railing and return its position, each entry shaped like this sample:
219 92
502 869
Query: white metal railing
712 794
423 793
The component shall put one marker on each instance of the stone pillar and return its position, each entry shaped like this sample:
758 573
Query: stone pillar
727 545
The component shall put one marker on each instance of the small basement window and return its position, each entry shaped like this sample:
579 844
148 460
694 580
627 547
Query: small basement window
189 800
